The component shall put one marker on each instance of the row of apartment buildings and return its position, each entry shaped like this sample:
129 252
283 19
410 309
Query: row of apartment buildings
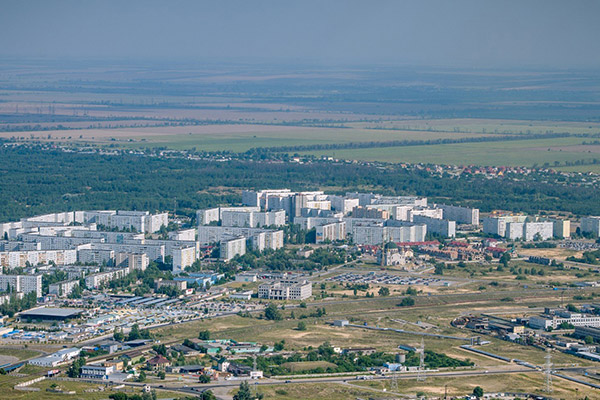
526 228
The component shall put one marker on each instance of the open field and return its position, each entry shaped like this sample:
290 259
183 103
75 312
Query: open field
531 382
384 313
509 153
232 137
314 391
307 365
89 391
20 354
484 125
594 168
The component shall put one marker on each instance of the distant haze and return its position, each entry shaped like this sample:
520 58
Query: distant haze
456 33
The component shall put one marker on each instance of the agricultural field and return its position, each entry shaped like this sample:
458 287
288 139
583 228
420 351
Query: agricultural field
232 108
231 137
506 153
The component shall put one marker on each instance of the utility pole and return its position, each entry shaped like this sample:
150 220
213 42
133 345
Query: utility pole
394 386
548 371
421 371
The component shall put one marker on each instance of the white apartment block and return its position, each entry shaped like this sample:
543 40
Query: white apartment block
214 234
8 230
96 280
591 225
377 235
14 259
342 204
285 290
133 261
95 256
261 198
64 288
394 211
184 234
22 283
183 257
106 236
308 223
253 219
140 221
46 242
518 227
497 225
372 198
205 217
156 252
171 245
153 222
462 215
267 240
562 228
231 247
331 232
436 213
538 230
318 204
435 225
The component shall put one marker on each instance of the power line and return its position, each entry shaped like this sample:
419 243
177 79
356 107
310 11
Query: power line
421 370
548 371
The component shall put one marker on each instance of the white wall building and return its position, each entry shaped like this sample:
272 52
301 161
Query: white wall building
22 283
96 280
462 215
285 290
14 259
440 226
183 257
331 232
231 247
591 225
64 288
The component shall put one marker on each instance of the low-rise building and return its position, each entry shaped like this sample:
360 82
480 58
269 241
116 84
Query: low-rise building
159 363
285 290
554 318
246 277
97 371
179 285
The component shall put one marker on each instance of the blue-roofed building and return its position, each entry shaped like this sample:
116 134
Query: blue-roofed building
200 278
393 366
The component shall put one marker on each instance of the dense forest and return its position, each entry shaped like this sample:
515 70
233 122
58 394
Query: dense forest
36 181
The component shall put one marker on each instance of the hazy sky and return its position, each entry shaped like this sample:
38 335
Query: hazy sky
497 33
